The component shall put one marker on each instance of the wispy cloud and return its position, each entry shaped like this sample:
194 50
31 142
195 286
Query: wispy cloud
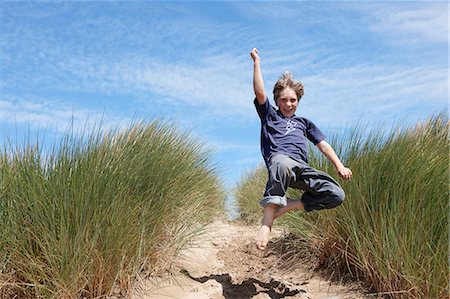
413 22
55 114
72 61
182 59
378 93
220 84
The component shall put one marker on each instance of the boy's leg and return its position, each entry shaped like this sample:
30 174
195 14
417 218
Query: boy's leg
262 237
280 174
292 204
321 190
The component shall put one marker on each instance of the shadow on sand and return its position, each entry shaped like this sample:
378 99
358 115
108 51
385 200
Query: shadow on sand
248 288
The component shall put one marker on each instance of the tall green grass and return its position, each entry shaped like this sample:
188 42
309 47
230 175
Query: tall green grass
392 230
85 217
248 192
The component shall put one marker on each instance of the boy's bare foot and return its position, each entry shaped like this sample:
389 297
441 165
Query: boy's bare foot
291 205
262 237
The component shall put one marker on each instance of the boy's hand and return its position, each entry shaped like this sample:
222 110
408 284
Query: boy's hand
254 54
345 173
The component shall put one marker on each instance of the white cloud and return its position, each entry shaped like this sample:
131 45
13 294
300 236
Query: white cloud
5 105
56 114
268 10
420 23
378 93
219 84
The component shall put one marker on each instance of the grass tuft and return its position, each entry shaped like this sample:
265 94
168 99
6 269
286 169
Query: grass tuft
86 217
392 230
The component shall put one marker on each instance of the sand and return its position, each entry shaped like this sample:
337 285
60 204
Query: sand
225 264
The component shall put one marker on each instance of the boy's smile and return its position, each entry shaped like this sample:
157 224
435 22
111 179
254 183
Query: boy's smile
287 102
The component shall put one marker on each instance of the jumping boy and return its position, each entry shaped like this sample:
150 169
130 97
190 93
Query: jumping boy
284 139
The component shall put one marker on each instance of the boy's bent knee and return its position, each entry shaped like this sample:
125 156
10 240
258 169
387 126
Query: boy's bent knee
338 197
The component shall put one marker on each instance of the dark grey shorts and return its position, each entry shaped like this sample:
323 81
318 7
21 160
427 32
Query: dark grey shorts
321 191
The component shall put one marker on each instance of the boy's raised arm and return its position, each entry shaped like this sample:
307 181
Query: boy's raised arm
258 82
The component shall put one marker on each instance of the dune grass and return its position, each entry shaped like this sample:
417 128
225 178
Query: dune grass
392 230
85 217
248 192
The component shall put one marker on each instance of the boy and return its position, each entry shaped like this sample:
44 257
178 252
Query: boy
284 148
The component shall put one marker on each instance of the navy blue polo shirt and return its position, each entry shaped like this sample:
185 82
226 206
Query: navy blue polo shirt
285 135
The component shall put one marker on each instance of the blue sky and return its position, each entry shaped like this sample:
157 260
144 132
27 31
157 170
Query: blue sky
189 63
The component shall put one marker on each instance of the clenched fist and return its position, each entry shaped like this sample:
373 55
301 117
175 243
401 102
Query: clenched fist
254 54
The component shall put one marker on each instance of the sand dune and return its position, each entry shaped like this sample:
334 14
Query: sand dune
225 264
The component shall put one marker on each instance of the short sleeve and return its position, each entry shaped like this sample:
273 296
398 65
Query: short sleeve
262 109
313 133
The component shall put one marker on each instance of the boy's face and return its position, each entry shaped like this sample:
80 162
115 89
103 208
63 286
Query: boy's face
287 102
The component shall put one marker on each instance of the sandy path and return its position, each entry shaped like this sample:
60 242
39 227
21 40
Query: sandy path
226 264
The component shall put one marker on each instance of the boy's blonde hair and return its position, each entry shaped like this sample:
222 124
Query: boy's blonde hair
287 80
